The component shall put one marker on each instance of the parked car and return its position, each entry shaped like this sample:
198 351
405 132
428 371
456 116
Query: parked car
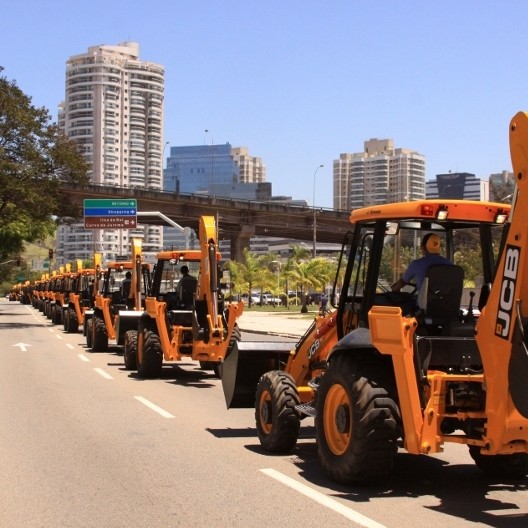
270 300
255 299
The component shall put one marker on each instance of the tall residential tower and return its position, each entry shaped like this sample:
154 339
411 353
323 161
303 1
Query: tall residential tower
380 174
113 109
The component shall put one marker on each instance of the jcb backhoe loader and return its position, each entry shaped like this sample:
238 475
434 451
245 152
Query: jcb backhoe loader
114 313
62 285
417 367
82 294
168 328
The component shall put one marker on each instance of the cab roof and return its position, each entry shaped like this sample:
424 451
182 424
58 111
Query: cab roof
435 211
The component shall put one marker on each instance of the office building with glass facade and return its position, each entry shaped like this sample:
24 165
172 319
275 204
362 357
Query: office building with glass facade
457 185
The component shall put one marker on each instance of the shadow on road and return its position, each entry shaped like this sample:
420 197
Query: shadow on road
461 490
19 326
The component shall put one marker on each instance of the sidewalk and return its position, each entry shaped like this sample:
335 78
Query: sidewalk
284 323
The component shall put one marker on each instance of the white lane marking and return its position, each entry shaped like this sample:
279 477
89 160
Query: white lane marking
71 347
102 373
58 336
51 329
154 407
328 502
82 357
22 346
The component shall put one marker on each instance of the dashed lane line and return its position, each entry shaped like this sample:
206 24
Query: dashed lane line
154 407
322 499
103 373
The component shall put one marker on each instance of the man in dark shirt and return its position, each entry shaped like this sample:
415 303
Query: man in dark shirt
186 288
418 267
125 286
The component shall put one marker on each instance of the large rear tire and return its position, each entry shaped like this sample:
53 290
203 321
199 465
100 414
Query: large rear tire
277 420
149 354
130 353
502 466
357 421
100 335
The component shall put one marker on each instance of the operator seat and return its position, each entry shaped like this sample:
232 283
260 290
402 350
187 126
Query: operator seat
439 298
187 291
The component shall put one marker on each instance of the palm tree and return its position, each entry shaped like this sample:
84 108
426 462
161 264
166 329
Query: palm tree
316 274
247 274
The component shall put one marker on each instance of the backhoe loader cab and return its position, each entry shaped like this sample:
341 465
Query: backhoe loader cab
171 326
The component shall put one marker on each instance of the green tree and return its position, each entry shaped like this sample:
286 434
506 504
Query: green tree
248 274
314 273
35 159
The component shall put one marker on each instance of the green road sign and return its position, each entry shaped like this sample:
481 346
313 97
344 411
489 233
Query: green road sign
111 213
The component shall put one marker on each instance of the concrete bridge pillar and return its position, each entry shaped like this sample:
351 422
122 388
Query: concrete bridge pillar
241 241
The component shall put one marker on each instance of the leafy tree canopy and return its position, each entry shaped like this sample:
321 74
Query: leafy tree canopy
35 158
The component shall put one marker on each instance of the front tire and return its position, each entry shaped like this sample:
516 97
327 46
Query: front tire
149 355
130 352
89 332
357 421
277 420
100 335
56 315
72 322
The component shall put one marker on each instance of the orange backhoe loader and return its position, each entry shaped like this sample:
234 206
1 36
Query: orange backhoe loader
61 289
115 311
416 368
82 294
171 327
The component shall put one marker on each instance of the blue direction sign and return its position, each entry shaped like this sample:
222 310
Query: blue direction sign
110 213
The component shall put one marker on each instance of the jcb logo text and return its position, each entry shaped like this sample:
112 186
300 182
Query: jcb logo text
509 278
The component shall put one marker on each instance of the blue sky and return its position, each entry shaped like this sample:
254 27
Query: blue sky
300 82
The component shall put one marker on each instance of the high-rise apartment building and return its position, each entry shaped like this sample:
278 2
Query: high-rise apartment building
113 109
457 185
380 174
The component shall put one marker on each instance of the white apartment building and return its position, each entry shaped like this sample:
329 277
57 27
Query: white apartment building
251 168
380 174
113 109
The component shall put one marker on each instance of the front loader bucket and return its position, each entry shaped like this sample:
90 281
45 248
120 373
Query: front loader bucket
244 365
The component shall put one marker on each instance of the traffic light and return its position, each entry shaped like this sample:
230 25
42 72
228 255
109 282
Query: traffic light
50 253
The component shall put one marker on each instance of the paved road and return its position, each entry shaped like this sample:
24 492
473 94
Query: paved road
279 323
85 443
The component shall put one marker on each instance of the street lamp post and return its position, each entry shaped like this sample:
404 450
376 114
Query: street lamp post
212 156
314 250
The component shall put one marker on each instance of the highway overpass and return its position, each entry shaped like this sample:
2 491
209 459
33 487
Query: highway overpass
238 220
